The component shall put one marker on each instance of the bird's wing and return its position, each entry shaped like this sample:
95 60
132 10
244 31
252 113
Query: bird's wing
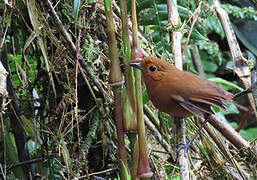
191 108
199 87
197 107
201 93
212 101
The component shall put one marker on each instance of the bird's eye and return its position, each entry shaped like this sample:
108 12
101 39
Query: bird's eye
152 68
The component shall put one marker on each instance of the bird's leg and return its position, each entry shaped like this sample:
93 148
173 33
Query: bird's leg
186 146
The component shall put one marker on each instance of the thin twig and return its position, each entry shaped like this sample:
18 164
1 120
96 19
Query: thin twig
194 17
231 135
244 119
76 86
89 86
157 135
220 143
196 59
31 161
96 173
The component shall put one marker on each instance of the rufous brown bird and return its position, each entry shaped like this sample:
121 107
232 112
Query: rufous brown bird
180 93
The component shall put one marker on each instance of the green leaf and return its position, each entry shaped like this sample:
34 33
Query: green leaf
209 66
197 35
249 134
145 97
126 171
76 9
225 82
231 109
108 5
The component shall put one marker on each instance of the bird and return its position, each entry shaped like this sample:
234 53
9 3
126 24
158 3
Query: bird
180 93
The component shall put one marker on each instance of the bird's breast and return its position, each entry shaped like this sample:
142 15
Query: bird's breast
159 94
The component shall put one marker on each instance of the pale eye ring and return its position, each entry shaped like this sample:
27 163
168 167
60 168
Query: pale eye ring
152 68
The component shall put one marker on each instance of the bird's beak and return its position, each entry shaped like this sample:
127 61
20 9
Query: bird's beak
136 64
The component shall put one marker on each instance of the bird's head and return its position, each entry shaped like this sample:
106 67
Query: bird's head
151 67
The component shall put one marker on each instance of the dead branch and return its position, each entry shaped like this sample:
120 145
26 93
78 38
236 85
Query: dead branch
230 134
241 67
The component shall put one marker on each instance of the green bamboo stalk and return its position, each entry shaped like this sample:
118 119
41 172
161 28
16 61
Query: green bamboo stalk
133 145
143 170
115 80
129 103
129 100
135 155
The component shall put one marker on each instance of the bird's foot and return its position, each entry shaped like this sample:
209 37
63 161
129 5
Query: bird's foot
181 146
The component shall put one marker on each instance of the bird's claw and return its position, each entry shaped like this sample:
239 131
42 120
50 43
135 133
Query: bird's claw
181 146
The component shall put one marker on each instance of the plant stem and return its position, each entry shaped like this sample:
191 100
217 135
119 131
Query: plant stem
174 22
129 104
116 83
143 170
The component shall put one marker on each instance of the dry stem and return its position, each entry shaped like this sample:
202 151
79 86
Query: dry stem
241 67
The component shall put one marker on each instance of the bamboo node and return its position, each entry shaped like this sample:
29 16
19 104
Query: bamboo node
115 84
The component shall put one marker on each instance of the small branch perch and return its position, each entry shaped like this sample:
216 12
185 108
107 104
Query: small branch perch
157 135
230 134
174 22
182 159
